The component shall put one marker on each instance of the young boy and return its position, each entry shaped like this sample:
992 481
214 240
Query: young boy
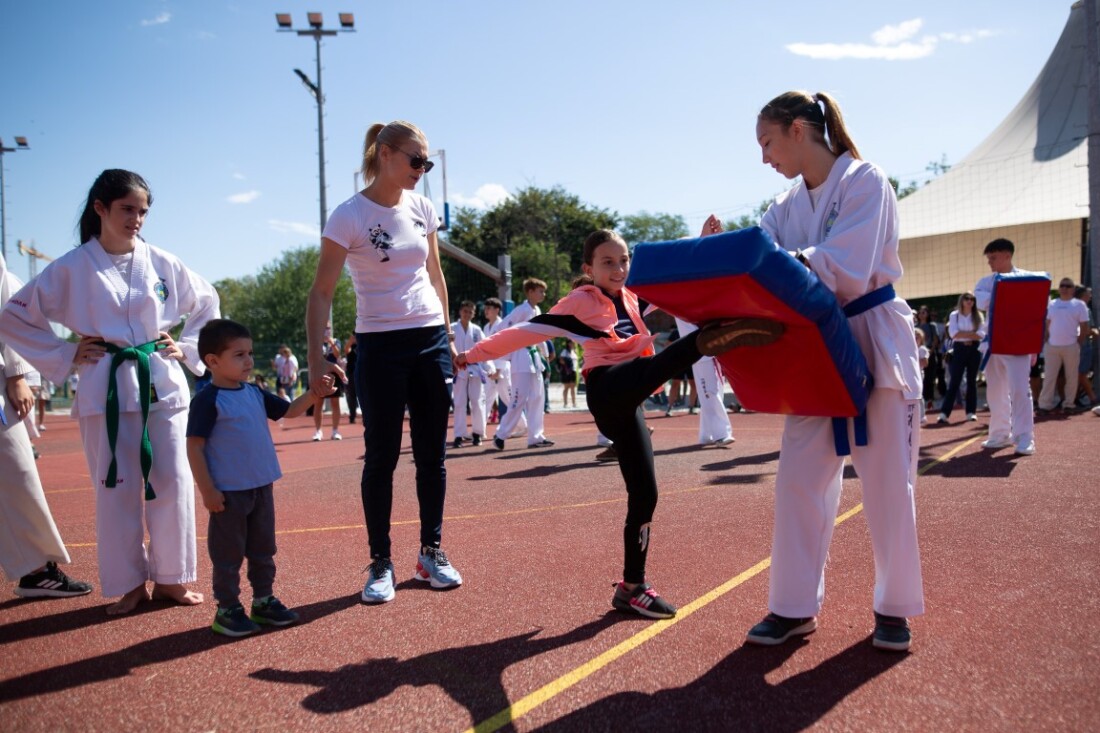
233 458
527 368
469 382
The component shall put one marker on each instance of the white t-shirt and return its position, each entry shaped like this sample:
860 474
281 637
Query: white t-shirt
1065 317
387 255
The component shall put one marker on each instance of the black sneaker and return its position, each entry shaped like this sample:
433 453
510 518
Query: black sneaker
776 629
457 443
643 600
477 439
50 583
608 454
271 611
233 622
544 443
498 442
891 633
720 336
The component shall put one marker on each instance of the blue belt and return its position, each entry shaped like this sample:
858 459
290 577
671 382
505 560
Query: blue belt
860 305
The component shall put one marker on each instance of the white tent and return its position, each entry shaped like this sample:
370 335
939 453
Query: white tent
1027 182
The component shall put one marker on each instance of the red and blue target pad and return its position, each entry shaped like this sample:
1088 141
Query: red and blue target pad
1018 313
815 368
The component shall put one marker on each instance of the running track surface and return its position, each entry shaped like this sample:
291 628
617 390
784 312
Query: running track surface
1009 547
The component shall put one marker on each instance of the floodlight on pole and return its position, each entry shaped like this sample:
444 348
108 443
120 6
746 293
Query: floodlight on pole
316 31
20 144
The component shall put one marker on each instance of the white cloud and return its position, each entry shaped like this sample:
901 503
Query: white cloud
890 43
890 35
487 196
294 227
245 197
161 18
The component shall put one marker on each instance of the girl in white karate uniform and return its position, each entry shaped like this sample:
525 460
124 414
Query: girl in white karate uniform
122 296
841 220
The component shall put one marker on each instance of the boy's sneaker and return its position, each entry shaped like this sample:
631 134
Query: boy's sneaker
942 419
477 440
608 454
433 567
50 583
1026 450
379 587
336 435
317 436
234 622
643 600
544 443
971 417
776 629
457 443
498 442
271 611
891 633
995 444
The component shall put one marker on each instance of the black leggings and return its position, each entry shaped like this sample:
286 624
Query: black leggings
615 395
964 357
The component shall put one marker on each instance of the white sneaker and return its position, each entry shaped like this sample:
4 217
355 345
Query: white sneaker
433 567
41 428
723 441
992 444
941 419
317 436
1026 450
336 435
379 587
971 417
1096 410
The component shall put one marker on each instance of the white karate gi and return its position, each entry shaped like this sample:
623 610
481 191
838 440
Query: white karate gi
714 421
28 536
470 383
500 388
1007 383
84 291
850 239
527 393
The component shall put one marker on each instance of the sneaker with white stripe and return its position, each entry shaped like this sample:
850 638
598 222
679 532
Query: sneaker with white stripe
50 583
642 600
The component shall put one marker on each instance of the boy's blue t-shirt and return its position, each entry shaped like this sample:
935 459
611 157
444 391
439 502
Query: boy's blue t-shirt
239 451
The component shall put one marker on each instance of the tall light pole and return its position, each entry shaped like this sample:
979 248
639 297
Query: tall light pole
316 31
20 144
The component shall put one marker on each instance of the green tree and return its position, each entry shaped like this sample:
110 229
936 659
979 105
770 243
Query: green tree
273 303
749 220
647 227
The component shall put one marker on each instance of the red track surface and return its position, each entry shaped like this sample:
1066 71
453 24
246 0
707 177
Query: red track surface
1011 561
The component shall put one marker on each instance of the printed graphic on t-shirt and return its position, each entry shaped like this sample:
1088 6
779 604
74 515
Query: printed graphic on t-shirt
421 227
382 241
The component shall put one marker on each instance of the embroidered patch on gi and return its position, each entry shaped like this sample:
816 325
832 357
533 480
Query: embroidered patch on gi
161 290
833 214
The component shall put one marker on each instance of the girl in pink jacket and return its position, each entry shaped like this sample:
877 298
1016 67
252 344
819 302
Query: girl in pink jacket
621 370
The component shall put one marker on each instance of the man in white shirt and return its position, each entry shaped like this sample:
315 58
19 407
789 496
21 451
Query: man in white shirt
527 368
1067 327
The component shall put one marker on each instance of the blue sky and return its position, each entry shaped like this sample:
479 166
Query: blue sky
631 105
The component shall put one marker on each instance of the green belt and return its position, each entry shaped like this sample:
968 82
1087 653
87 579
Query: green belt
140 354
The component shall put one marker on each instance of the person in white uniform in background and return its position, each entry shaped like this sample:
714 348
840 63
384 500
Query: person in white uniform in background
714 421
470 383
30 545
1007 376
123 296
499 387
841 221
527 368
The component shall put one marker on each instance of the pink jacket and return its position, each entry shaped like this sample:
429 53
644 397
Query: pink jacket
592 308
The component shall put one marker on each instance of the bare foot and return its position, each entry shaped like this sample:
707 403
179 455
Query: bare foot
128 602
177 593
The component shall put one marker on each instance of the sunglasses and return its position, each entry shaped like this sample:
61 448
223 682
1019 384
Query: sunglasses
967 297
418 161
1066 285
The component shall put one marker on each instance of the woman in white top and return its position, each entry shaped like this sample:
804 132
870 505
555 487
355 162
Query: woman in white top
962 326
841 221
386 234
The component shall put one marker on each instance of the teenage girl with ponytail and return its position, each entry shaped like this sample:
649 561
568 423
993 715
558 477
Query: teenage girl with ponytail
840 220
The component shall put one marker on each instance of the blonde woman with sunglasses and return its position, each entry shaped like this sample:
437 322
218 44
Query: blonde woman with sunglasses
963 327
386 234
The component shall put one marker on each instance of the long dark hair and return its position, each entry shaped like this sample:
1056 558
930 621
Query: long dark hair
111 185
820 111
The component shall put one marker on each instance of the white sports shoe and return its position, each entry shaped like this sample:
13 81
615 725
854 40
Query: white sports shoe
317 436
433 567
336 435
722 441
992 444
1026 450
379 587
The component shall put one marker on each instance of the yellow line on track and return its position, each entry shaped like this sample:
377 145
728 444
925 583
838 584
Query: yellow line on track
531 701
